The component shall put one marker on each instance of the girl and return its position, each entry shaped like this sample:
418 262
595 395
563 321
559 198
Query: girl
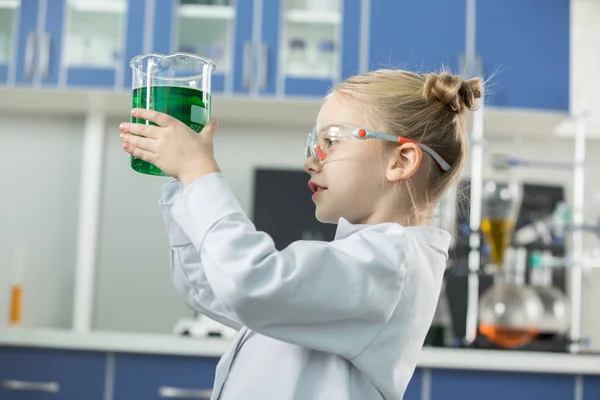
322 320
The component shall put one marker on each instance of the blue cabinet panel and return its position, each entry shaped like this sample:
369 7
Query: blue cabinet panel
134 45
79 375
524 46
27 40
217 83
421 36
90 77
162 27
308 87
243 71
591 387
475 385
414 389
271 35
3 73
351 38
141 376
53 31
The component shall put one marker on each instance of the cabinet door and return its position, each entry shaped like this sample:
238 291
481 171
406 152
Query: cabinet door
96 41
51 374
524 46
9 25
307 46
492 385
202 27
591 387
414 391
156 377
421 36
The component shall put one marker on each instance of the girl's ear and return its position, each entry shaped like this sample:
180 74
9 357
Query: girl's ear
404 162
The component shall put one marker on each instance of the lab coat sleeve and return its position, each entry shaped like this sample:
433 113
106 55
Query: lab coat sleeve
186 269
334 297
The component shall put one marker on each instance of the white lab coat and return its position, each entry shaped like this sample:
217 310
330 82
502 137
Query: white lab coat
318 320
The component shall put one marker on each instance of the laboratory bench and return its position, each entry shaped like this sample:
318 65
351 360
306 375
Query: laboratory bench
111 365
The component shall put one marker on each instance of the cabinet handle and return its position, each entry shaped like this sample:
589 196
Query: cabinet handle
247 66
44 60
48 387
29 55
176 393
264 58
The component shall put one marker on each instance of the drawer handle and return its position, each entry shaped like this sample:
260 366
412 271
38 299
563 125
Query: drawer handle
30 54
176 393
48 387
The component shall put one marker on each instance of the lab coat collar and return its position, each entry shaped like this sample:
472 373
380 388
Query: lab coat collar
433 236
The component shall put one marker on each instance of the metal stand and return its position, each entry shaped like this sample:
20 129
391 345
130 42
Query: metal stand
476 187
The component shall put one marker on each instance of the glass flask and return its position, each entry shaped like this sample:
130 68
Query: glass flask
177 84
510 312
556 305
501 203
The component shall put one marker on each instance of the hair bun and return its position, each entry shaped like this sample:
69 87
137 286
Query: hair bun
452 91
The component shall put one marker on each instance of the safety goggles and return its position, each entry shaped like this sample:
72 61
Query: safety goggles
324 136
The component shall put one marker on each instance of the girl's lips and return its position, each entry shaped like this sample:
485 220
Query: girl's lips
314 187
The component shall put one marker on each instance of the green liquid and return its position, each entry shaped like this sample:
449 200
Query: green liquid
190 106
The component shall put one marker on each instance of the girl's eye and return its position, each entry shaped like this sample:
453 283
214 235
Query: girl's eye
328 140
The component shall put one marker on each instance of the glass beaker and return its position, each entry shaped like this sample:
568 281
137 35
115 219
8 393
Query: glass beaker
176 84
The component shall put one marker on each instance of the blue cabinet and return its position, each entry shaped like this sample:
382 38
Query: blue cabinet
591 387
524 47
51 374
414 389
155 377
289 48
305 49
494 385
75 43
421 36
268 47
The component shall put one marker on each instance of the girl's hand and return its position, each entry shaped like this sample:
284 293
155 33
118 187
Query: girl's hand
171 145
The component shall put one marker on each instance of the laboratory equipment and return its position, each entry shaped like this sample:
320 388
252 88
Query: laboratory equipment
177 84
510 312
16 292
200 326
556 304
326 58
297 59
501 201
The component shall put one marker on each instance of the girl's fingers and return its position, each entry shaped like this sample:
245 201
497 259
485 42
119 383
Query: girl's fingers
160 119
148 131
139 142
139 153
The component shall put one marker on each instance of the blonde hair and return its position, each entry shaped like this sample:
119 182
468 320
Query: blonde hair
428 108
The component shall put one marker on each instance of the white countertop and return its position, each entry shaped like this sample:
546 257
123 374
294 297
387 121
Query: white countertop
118 342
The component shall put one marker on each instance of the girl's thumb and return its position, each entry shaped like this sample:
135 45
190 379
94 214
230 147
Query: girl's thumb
210 128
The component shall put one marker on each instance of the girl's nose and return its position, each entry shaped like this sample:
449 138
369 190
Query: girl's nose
311 166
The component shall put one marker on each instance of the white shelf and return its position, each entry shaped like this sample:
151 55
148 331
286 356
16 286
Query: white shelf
105 6
198 11
313 17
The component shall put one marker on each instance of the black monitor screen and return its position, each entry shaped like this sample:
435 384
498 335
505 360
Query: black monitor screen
283 208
